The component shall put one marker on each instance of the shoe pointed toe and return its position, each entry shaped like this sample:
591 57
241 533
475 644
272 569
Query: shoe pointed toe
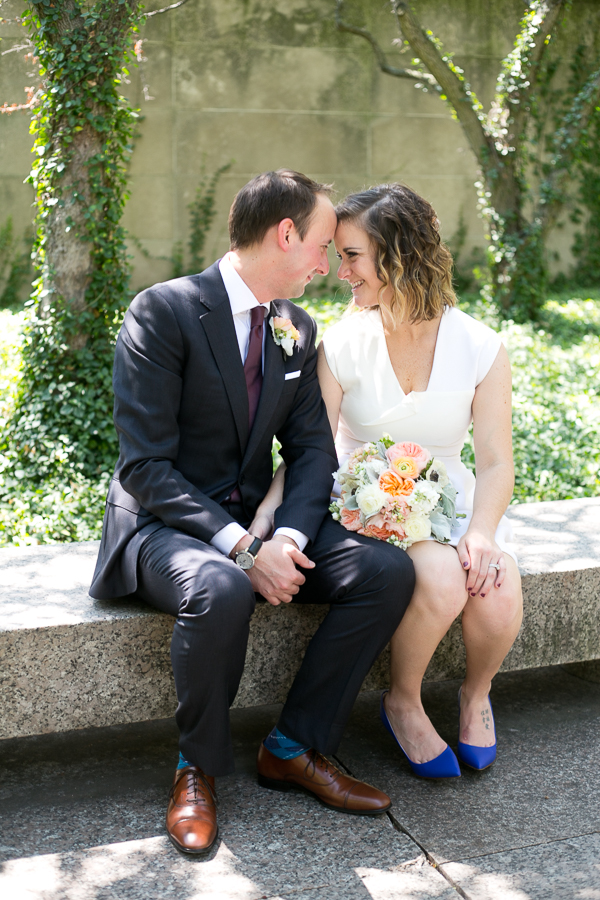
478 758
443 766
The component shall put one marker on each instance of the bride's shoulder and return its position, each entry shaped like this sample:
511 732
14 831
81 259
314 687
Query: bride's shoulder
471 329
473 343
352 327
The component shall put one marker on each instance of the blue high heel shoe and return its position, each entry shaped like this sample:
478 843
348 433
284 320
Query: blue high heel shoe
478 758
443 766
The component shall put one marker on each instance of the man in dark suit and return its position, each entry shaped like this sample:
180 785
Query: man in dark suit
208 369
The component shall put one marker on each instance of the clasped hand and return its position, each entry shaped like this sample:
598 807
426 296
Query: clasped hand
274 574
477 552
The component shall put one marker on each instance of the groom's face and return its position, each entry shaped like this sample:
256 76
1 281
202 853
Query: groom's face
308 258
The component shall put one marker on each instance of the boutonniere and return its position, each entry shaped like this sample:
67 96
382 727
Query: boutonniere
284 334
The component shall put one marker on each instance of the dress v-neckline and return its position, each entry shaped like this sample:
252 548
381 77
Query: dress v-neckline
433 364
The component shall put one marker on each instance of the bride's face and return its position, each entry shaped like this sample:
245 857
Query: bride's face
356 252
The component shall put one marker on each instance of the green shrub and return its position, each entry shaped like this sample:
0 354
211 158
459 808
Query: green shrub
556 420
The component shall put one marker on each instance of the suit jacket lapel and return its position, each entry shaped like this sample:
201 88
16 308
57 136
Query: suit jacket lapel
273 380
220 331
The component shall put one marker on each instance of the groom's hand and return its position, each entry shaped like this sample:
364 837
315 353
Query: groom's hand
274 574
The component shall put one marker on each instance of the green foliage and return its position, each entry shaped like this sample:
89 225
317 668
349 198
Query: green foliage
538 135
556 420
586 247
58 445
15 266
325 312
556 406
61 428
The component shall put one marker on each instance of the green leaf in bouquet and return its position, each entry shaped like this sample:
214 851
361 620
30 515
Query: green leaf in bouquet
441 525
427 468
350 501
448 501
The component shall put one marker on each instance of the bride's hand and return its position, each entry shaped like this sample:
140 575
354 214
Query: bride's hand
479 555
262 525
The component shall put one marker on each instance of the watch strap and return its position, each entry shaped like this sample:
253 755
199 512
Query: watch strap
254 547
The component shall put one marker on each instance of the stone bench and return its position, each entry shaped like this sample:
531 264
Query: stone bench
67 661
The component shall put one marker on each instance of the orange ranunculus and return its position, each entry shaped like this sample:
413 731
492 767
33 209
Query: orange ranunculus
395 485
350 519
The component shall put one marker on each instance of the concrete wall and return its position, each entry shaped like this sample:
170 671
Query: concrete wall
270 83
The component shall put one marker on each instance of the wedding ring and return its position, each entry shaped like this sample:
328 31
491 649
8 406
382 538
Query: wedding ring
494 566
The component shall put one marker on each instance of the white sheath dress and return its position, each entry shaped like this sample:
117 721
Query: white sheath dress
438 418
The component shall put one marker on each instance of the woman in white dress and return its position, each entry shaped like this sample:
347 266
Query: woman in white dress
406 362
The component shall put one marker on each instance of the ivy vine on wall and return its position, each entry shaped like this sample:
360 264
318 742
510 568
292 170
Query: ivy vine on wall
59 446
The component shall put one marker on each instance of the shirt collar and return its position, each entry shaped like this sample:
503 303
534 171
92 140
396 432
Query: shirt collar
240 296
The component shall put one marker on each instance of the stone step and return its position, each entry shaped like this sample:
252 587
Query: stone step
67 661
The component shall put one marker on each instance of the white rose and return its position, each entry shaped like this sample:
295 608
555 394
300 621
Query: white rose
417 527
437 473
370 500
424 498
288 345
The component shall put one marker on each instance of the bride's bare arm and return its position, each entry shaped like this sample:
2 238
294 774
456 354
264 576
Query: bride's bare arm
492 437
330 388
262 524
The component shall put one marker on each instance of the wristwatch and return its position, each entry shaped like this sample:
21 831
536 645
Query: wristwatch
245 559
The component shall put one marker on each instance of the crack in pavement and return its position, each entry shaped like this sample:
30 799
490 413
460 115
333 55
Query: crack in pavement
398 826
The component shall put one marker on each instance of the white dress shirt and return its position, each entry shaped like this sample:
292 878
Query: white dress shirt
242 300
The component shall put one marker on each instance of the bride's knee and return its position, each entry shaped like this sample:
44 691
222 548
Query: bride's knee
440 588
502 614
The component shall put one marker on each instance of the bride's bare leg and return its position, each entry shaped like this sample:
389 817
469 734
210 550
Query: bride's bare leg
438 598
490 625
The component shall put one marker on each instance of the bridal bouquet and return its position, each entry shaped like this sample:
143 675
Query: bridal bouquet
396 493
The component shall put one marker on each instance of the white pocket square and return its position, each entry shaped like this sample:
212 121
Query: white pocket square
290 375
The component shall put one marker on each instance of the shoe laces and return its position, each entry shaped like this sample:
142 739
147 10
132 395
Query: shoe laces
197 788
318 761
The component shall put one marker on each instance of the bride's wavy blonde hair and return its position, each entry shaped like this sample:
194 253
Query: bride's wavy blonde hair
409 254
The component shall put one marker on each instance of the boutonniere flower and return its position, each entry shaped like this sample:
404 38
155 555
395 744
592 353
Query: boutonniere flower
284 334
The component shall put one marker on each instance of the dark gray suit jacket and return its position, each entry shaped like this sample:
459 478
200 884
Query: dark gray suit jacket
181 413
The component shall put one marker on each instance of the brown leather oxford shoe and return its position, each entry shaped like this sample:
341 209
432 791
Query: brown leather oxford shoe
192 811
314 773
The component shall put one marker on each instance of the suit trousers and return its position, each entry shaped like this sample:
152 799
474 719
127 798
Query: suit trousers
368 585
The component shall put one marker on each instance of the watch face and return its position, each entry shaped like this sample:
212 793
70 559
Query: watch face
244 559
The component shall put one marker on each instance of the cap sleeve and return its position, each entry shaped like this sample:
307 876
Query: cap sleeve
329 346
487 354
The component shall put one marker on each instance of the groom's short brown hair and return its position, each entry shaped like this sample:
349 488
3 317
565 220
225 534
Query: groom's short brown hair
268 199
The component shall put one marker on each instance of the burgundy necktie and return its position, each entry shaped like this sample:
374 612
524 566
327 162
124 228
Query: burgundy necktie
253 364
253 372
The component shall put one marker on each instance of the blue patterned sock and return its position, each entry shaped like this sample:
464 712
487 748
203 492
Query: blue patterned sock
182 762
281 746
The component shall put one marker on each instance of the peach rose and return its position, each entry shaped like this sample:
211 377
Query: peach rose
395 485
397 529
376 527
391 483
350 519
410 451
